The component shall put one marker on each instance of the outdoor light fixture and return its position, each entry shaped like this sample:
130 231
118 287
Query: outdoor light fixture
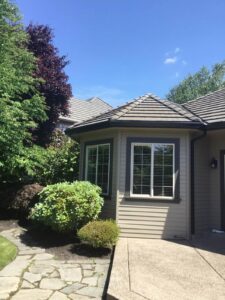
213 163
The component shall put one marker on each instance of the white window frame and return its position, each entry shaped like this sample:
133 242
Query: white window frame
96 164
151 196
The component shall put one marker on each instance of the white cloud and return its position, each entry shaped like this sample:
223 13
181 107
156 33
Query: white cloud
112 95
170 60
184 62
177 50
177 74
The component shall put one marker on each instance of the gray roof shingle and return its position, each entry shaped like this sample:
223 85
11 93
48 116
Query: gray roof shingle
147 108
81 110
210 108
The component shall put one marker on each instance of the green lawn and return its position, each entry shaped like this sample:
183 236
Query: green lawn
8 252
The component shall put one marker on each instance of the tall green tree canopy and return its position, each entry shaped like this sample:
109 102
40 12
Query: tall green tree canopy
21 105
199 84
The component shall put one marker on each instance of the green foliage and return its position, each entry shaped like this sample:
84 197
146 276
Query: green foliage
21 106
26 197
100 233
17 199
67 206
199 84
8 252
57 163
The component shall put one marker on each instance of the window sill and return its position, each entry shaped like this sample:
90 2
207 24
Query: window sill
152 200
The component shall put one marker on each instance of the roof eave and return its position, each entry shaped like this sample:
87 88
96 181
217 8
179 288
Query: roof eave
216 125
138 124
61 118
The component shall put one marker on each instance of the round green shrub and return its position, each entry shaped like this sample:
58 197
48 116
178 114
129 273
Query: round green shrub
67 206
100 233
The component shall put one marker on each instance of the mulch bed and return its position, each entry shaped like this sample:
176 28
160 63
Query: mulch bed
63 246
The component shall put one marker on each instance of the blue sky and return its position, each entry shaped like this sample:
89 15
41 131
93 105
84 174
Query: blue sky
121 49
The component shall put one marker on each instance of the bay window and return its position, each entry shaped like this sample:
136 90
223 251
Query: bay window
98 164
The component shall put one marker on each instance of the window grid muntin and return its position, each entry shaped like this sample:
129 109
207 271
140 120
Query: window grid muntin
88 147
142 165
152 145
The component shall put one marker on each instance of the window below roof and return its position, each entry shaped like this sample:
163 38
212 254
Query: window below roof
98 165
152 169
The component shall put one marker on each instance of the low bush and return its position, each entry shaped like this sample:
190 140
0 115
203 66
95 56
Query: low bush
100 233
65 207
26 198
18 198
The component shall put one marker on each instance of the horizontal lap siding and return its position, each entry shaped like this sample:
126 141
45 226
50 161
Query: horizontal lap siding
202 187
154 220
217 143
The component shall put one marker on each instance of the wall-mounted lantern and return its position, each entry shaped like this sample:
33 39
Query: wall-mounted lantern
213 163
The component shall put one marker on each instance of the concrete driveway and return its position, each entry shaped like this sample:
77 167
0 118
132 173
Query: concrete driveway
158 269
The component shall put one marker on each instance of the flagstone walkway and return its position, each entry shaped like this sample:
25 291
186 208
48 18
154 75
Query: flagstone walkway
38 275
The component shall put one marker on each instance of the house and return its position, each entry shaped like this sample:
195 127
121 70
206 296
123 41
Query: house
81 110
160 165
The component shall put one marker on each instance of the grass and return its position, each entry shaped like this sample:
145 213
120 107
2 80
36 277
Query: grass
8 252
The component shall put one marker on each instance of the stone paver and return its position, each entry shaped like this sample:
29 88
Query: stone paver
34 294
52 284
58 296
38 275
8 285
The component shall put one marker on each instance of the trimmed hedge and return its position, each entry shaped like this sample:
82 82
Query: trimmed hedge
65 207
102 233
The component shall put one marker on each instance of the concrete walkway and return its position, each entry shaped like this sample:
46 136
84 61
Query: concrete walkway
37 275
158 270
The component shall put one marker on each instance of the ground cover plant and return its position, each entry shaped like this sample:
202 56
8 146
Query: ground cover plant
8 252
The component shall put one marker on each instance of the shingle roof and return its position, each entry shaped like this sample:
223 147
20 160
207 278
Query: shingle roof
81 110
147 108
210 108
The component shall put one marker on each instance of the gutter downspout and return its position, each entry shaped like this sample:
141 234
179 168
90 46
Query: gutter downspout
195 139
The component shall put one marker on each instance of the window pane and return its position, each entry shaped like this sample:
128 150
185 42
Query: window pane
91 164
103 167
163 170
141 169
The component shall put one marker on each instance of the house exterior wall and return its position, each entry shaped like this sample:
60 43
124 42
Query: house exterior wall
207 182
201 185
109 208
137 218
217 143
155 220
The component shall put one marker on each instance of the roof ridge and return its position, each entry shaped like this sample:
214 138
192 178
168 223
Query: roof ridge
178 109
197 116
196 99
133 103
96 97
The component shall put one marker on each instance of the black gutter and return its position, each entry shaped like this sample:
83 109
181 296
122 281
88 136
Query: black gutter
216 125
195 139
138 124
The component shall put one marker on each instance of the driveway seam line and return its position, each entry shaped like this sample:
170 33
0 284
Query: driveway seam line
208 262
128 265
128 256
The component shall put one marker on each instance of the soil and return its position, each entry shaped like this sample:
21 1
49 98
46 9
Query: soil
63 246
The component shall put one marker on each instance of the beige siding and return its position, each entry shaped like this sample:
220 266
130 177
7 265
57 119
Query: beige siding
207 182
155 220
202 187
217 143
109 209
